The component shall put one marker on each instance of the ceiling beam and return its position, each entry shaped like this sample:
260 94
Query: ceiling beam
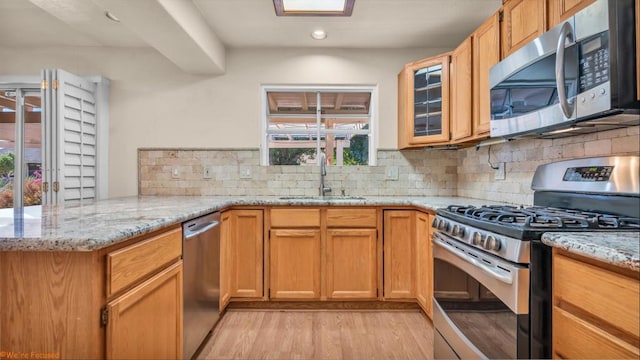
176 29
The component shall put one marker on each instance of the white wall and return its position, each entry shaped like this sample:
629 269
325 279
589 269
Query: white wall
154 104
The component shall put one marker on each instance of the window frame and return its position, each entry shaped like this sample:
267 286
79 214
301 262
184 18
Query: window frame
373 112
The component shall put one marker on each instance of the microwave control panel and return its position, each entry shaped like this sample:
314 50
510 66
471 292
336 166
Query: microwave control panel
594 61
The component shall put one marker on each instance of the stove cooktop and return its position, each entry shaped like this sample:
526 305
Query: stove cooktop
529 223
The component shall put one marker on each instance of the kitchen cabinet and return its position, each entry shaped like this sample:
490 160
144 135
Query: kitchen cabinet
486 53
461 91
245 263
225 259
146 322
595 309
351 264
312 250
560 10
98 304
351 248
423 102
523 21
399 254
424 262
295 264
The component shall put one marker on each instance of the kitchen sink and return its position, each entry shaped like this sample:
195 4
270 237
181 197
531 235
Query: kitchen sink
322 198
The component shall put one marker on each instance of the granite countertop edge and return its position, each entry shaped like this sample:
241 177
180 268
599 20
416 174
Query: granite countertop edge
617 248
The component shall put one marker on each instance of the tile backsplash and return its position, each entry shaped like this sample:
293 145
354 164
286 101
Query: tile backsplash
238 172
521 157
463 172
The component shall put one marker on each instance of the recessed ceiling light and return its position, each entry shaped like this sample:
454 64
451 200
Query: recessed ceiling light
313 7
319 34
111 17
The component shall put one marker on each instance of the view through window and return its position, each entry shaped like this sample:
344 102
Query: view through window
300 123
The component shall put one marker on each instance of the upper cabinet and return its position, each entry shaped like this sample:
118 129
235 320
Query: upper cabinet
560 10
523 21
461 92
423 102
486 53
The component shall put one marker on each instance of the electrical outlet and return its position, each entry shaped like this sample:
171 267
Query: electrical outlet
245 172
500 173
392 173
208 172
175 172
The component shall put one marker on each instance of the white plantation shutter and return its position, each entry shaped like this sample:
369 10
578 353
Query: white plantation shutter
73 167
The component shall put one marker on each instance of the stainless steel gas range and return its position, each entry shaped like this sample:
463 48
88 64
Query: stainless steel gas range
492 274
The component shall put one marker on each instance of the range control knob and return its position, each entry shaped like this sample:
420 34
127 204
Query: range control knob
435 222
477 238
458 230
492 243
443 225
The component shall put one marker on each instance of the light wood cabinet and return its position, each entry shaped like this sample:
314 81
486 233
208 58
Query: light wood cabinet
595 309
246 253
423 102
351 264
560 10
523 21
226 232
424 263
399 254
146 322
461 92
294 264
97 304
486 53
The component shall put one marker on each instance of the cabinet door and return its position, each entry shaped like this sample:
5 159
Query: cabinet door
486 53
399 254
351 259
424 261
225 259
247 252
294 264
523 21
146 322
461 80
561 10
423 102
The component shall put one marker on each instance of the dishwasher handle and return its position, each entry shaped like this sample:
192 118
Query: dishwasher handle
198 229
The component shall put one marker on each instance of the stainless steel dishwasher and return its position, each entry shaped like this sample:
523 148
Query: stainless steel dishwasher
201 282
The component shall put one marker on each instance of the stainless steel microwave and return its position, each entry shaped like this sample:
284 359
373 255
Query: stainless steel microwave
578 77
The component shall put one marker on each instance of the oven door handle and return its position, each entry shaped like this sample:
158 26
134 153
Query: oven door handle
462 255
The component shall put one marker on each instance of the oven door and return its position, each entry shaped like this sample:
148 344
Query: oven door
481 303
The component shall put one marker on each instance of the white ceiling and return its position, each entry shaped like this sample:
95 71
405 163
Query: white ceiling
194 33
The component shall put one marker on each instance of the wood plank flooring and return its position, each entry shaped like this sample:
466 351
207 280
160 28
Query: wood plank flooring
321 335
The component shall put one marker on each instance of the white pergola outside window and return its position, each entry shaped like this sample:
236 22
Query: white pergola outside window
299 122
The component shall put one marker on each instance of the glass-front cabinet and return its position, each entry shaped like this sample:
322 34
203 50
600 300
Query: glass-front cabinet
423 102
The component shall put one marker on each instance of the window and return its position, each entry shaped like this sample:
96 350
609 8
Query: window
301 122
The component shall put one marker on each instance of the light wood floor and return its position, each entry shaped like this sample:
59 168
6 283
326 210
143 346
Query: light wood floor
321 335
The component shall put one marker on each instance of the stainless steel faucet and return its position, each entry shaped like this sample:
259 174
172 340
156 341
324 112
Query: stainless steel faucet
323 172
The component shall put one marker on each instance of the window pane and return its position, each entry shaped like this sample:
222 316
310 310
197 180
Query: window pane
345 102
292 149
345 150
291 102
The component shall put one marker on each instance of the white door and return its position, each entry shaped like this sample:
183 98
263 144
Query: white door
71 137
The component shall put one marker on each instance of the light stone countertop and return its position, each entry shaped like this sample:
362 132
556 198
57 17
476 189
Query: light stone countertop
617 248
95 225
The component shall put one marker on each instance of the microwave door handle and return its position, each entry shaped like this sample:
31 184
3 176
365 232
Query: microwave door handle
565 32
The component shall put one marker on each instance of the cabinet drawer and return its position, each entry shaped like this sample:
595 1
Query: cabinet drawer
132 263
604 294
361 218
574 338
293 218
